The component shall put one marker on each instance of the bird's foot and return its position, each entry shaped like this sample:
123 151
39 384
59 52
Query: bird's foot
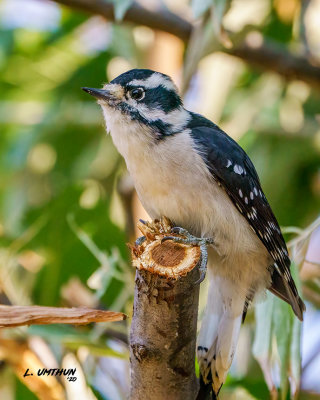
194 241
140 240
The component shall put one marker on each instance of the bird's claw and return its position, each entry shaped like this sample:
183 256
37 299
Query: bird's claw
202 275
140 240
194 241
179 231
169 238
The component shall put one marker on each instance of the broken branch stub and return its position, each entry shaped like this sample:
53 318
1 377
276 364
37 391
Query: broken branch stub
11 316
164 322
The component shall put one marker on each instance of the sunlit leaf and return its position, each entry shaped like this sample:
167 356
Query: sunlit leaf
295 358
295 346
263 337
283 321
217 13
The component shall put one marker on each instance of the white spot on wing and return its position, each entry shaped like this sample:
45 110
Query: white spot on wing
238 169
229 163
240 193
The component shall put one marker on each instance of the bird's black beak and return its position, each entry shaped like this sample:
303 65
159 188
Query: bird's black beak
99 93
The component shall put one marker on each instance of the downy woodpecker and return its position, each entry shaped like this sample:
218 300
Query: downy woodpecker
186 168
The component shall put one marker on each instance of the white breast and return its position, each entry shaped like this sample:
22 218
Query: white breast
171 179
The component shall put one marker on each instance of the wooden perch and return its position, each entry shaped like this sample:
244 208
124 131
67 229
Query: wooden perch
164 322
30 315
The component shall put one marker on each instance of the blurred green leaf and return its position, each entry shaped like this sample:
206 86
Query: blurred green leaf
199 7
73 338
275 320
22 391
283 321
295 347
263 336
121 7
217 12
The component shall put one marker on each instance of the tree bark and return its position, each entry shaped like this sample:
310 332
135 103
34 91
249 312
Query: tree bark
164 322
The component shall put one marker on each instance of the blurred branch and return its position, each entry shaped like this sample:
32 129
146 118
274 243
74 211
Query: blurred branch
126 191
311 295
29 315
161 19
308 395
308 130
112 333
315 354
302 24
268 56
275 57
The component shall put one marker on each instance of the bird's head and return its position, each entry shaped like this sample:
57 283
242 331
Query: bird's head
144 97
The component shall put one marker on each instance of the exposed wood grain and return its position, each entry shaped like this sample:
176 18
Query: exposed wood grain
30 315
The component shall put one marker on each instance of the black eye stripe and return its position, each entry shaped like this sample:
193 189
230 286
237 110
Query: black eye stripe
160 97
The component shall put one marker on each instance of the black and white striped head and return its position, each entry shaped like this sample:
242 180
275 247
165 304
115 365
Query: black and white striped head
147 97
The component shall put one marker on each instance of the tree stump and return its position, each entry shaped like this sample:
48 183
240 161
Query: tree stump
164 322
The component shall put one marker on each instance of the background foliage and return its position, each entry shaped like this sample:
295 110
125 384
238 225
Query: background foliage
67 205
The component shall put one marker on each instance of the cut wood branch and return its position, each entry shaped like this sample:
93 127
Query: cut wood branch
11 316
268 56
164 322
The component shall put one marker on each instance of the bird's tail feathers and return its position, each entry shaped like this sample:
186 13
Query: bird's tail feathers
286 290
219 331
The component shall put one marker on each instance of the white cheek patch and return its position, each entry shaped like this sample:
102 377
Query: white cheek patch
178 118
147 113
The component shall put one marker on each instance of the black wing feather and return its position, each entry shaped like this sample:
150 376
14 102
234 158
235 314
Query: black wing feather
233 169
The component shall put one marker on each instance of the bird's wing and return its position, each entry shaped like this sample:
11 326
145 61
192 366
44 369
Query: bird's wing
233 170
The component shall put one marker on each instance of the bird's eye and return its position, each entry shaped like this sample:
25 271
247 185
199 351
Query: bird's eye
137 94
